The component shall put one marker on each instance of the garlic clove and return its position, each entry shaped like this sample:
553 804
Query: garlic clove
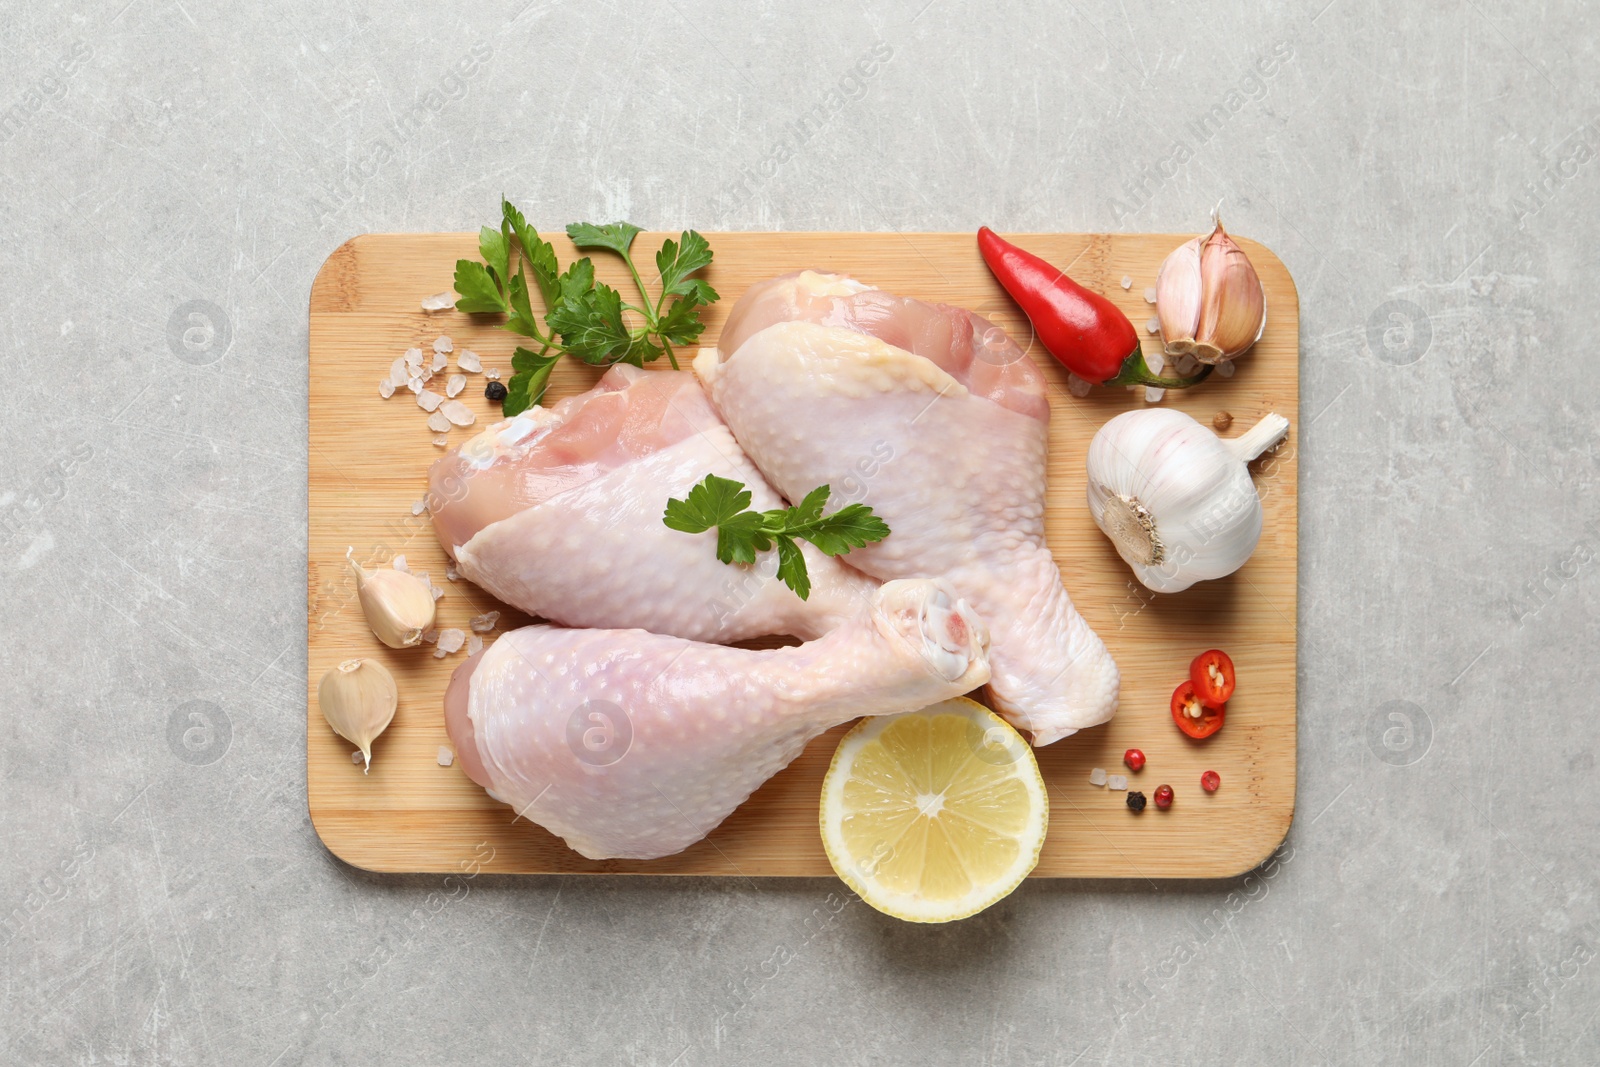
398 605
1178 294
358 698
1233 310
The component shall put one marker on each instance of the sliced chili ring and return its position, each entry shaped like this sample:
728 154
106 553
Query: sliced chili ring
1193 716
1212 675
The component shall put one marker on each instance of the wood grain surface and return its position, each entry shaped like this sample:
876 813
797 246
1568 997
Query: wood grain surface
368 466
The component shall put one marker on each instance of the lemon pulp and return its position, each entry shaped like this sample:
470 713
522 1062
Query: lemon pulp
934 815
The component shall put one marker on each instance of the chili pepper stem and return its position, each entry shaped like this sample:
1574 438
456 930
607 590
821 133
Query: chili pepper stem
1135 371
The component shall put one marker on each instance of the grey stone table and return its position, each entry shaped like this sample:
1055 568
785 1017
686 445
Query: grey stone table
1426 170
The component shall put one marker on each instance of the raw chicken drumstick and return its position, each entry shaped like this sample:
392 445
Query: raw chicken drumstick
558 512
941 422
633 745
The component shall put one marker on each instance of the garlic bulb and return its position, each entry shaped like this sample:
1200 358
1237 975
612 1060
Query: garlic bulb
1209 300
358 698
1175 499
398 605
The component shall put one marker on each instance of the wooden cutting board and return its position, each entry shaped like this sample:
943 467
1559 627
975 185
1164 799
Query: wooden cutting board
368 464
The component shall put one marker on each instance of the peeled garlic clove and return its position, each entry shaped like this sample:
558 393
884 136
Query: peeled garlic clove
1178 297
358 698
398 605
1177 502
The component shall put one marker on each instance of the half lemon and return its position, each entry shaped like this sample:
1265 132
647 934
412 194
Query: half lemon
934 815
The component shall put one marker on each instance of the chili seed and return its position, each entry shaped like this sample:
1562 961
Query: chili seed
1210 780
1163 797
1134 759
495 391
1136 801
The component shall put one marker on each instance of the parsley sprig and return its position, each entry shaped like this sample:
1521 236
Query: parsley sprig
584 318
724 504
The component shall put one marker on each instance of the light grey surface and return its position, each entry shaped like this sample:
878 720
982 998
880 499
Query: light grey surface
1435 903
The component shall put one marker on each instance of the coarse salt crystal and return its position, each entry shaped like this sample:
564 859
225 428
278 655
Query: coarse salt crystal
399 564
441 360
468 361
1154 325
430 636
438 423
439 653
1078 386
386 389
493 374
1117 781
436 591
439 301
356 757
415 385
474 645
454 386
452 639
458 413
1153 394
446 757
1097 776
419 506
398 375
450 572
1186 364
413 358
1156 361
1149 296
442 441
443 344
428 400
1225 368
1127 282
484 623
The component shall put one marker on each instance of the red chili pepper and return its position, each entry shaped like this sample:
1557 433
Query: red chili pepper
1082 329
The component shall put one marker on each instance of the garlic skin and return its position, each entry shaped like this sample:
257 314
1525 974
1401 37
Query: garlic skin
1209 300
1176 500
398 605
358 698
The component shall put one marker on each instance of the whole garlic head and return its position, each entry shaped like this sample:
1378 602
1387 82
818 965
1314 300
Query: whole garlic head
1176 500
398 605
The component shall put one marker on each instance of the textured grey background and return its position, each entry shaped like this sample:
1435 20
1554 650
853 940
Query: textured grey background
1426 170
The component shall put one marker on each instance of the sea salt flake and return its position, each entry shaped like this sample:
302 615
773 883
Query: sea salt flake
1097 776
428 400
474 645
1149 296
1078 386
446 757
452 639
1117 781
454 386
386 389
458 413
468 361
443 344
443 440
1127 282
440 301
1225 368
1154 325
484 623
438 423
399 564
493 374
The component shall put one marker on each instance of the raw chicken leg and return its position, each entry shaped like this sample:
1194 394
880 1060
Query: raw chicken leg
940 423
558 512
633 745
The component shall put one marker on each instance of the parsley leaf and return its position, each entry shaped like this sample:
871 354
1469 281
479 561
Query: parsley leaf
675 262
681 324
527 385
616 237
495 247
522 320
477 289
539 253
591 326
723 504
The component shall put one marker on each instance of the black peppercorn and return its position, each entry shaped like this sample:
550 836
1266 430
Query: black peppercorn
495 391
1136 801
